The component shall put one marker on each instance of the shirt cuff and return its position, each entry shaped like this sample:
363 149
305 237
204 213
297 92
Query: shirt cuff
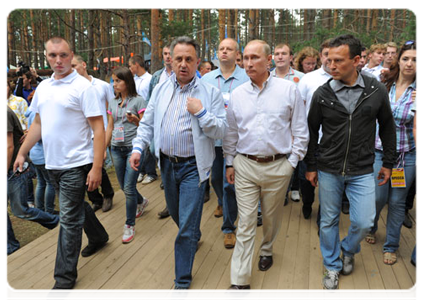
201 113
137 150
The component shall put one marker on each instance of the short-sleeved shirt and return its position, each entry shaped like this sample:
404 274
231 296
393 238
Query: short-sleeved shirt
136 105
64 106
14 126
19 107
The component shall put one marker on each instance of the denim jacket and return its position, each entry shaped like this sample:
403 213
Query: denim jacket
206 127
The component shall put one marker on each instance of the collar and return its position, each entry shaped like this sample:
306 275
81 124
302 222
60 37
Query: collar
337 85
265 84
67 79
191 85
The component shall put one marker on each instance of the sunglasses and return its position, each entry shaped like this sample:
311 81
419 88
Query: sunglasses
407 43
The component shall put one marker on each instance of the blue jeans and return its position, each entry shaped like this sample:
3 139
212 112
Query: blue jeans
148 163
12 242
395 198
44 192
127 178
225 192
17 193
360 190
184 198
70 185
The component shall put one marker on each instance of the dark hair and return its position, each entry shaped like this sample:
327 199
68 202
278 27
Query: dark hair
187 41
137 59
29 76
352 42
123 73
394 70
324 45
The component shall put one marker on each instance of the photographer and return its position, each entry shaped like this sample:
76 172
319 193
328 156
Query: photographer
27 78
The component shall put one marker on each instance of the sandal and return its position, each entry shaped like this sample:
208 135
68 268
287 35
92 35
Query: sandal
371 238
389 258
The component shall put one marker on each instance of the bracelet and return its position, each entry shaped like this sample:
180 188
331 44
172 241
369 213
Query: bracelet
229 167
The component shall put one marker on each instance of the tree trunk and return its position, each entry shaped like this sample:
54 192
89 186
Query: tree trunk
222 23
90 61
392 25
203 35
155 32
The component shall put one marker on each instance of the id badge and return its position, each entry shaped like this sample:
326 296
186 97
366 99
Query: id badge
226 98
119 134
398 178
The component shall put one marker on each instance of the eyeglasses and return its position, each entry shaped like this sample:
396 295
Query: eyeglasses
412 42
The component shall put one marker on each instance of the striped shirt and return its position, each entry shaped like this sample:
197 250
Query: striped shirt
176 130
404 119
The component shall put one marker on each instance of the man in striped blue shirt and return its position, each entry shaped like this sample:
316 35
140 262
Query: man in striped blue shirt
184 116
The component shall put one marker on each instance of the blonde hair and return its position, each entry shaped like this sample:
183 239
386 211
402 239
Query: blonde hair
303 54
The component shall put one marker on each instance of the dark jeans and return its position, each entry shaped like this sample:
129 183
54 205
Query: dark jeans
12 242
17 193
148 163
185 198
106 188
70 185
44 192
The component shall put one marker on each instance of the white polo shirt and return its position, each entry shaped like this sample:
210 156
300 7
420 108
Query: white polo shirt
105 95
143 84
64 106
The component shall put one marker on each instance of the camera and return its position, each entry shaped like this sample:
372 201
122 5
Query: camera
23 68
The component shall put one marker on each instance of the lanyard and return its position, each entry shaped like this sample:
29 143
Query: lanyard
230 87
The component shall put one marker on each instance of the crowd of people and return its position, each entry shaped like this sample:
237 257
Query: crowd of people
260 128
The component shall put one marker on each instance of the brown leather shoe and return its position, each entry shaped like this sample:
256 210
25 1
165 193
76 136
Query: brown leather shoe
238 290
265 263
229 240
218 212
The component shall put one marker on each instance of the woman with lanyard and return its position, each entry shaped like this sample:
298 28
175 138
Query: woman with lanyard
124 115
401 85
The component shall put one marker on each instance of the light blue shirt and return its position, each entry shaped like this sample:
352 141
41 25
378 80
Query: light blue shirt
226 86
209 124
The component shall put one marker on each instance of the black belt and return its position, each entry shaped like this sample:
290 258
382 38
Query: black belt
263 159
177 159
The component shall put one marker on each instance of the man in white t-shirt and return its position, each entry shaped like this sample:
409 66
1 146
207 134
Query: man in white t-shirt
141 76
67 114
376 55
105 94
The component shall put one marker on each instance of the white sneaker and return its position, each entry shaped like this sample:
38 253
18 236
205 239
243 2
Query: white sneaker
141 207
140 177
148 179
128 234
295 196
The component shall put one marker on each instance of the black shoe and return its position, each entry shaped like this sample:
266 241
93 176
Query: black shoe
346 207
238 290
92 248
107 204
206 197
286 201
407 221
307 211
96 207
58 293
259 219
161 185
164 213
265 263
62 287
179 293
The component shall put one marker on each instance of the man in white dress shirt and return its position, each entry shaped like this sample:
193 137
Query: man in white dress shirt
266 121
141 76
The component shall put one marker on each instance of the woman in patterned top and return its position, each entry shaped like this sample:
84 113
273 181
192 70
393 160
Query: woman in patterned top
401 84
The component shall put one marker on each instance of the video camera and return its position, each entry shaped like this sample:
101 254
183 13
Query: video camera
23 68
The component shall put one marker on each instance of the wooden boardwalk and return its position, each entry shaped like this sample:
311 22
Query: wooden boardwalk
148 262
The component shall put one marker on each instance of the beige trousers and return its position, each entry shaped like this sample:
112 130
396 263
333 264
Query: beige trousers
254 182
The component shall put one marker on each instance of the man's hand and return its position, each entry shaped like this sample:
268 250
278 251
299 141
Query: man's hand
312 177
93 179
230 175
19 161
134 160
194 105
384 174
